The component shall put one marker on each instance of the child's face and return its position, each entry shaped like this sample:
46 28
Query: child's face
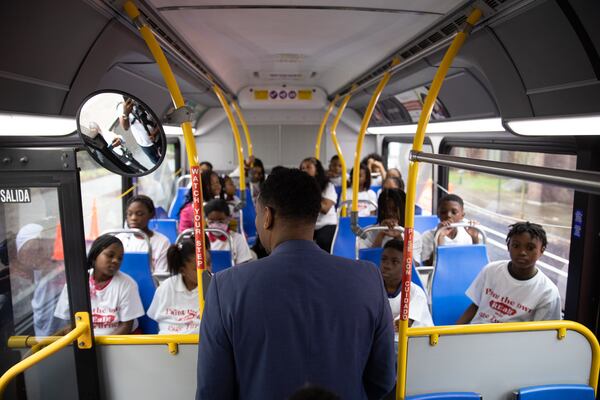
108 262
391 266
335 167
309 168
138 215
391 211
229 187
189 271
215 185
525 251
257 174
363 178
451 211
217 217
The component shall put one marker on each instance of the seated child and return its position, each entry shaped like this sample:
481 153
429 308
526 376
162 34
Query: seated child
140 210
450 211
175 303
364 192
217 216
232 200
334 172
515 290
391 271
390 212
116 302
211 189
391 182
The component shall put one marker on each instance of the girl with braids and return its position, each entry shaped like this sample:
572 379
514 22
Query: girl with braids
175 303
515 290
116 302
140 210
327 219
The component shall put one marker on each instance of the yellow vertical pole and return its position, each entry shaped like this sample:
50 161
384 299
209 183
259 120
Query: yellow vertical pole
188 136
338 149
413 171
236 137
238 111
362 132
322 128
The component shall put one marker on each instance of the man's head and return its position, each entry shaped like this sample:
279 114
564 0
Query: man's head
287 208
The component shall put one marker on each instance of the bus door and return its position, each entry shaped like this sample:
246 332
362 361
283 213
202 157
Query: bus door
42 252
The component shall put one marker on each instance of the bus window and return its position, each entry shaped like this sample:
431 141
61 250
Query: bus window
397 157
159 185
497 202
100 191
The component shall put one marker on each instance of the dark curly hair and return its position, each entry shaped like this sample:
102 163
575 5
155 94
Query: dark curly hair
321 177
534 230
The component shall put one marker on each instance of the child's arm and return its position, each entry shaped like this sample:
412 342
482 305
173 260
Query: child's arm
326 204
468 315
474 233
124 328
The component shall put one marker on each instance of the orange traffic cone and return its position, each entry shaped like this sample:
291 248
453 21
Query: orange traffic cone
58 254
94 230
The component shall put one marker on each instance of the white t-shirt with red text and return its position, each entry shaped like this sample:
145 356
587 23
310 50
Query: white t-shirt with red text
175 308
502 298
118 301
427 239
366 209
418 309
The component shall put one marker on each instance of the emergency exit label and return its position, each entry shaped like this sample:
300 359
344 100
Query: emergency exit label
15 196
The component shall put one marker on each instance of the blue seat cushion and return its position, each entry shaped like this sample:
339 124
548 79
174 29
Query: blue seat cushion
556 392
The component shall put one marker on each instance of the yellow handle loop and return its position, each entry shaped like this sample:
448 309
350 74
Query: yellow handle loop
238 111
322 127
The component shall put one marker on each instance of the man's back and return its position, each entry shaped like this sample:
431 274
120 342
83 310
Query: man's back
298 316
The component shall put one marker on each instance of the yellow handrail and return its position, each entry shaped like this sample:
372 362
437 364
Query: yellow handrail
338 149
322 127
190 144
413 170
521 327
81 333
362 132
236 137
238 111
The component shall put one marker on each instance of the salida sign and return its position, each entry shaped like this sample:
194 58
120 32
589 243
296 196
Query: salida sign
15 196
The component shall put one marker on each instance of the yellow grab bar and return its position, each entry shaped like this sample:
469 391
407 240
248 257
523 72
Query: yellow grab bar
81 333
409 215
361 135
338 149
322 128
238 140
188 136
238 111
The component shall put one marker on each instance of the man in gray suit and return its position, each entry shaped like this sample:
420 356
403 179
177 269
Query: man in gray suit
297 317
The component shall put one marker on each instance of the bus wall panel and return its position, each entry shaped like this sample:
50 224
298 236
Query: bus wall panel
588 13
576 100
46 42
464 98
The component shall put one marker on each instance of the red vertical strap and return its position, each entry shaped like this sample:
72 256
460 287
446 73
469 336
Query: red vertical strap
198 225
407 272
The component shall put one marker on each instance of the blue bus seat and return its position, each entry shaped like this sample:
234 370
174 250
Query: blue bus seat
556 392
137 266
177 202
374 255
249 215
345 241
446 396
338 191
375 188
167 227
423 223
418 210
221 259
455 269
160 213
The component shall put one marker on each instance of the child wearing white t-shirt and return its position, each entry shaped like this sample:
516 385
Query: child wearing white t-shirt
217 216
114 295
450 211
515 290
391 271
364 193
175 303
140 210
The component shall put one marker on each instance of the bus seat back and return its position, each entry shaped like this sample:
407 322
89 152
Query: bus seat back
344 240
455 269
177 202
249 215
137 266
167 227
423 223
220 260
555 392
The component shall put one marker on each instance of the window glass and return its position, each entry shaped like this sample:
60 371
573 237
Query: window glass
100 197
497 202
159 185
397 157
32 277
